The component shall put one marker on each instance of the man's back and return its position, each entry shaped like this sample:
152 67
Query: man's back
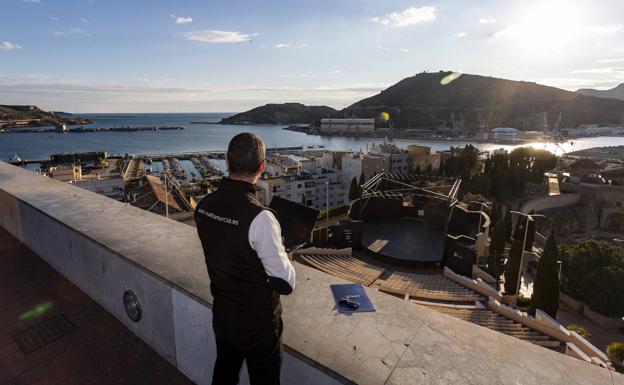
238 278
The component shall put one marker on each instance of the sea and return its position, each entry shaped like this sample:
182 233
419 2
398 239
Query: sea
207 135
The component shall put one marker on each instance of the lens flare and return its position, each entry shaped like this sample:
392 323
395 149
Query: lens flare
448 79
36 311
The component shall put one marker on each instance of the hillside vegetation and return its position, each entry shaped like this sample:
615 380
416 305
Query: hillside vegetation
286 113
32 116
423 101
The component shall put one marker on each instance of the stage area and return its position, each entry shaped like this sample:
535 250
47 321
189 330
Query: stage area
403 241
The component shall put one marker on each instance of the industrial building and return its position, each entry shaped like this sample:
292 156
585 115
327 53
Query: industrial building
347 126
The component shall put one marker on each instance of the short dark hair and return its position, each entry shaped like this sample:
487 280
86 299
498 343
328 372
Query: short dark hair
245 154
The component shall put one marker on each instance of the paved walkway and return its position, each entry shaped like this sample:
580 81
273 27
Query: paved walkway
599 336
101 350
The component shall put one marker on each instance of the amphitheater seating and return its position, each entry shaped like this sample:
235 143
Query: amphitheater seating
433 290
343 266
501 324
427 286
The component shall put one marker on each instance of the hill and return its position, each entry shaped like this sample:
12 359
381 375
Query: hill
32 116
286 113
423 101
614 93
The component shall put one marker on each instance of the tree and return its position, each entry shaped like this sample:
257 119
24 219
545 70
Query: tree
546 287
481 185
512 268
508 226
304 201
497 248
605 287
418 170
354 192
362 179
593 272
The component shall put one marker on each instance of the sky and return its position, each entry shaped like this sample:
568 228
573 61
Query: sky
229 56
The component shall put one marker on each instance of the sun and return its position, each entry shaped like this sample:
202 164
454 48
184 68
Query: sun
546 25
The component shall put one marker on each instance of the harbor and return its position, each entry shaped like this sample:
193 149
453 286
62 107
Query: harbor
64 129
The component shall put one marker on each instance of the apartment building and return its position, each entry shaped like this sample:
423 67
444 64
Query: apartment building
312 190
356 164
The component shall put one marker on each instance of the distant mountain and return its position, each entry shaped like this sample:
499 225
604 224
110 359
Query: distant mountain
614 93
287 113
423 101
32 116
441 99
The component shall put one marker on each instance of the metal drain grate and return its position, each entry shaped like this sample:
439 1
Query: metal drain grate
43 333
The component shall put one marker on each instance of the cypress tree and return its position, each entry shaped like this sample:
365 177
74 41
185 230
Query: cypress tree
531 227
362 179
546 287
512 268
354 189
508 225
497 248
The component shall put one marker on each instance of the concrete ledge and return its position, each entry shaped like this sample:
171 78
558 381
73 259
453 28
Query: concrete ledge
478 285
107 247
547 325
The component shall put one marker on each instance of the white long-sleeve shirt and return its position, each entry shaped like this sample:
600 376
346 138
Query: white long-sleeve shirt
265 238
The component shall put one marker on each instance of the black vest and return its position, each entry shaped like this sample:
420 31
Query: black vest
238 282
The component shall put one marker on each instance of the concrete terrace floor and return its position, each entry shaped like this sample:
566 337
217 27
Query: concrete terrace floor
101 350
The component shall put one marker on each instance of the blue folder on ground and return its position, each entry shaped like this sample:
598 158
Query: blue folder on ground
352 292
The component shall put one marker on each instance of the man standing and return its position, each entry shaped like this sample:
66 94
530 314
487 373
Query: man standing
248 269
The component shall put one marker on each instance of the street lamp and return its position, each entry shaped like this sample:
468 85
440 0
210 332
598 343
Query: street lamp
327 216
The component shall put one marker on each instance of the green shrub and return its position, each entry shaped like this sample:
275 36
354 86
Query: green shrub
581 330
593 272
615 352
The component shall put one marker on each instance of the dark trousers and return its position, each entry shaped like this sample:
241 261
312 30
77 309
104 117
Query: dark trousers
261 348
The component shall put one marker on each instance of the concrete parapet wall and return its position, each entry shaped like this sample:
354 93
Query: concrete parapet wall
604 321
106 247
580 307
551 202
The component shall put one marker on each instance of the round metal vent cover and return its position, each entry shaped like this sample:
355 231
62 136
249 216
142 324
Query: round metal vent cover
132 306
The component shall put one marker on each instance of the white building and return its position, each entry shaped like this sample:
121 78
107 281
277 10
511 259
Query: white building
107 184
395 159
111 186
312 190
505 133
354 165
347 126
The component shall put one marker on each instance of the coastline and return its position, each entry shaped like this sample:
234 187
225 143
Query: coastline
306 131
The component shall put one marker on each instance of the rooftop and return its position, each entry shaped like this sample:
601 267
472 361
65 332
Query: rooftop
99 350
